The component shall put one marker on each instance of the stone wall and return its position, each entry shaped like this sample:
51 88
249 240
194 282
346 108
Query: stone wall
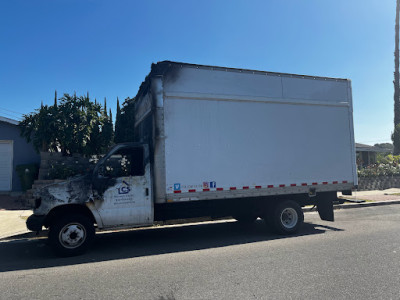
378 183
52 162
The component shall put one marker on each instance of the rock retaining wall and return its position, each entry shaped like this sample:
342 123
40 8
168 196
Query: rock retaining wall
378 183
51 160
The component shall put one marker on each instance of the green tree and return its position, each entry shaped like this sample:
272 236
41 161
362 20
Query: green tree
126 129
74 125
39 128
385 146
74 130
118 134
92 120
55 98
107 131
396 137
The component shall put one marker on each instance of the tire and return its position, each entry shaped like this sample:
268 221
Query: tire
71 235
285 218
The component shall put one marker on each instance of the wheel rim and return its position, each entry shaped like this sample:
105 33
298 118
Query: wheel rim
289 218
72 235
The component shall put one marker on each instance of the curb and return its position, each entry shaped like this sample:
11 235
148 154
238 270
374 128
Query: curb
19 233
356 205
23 235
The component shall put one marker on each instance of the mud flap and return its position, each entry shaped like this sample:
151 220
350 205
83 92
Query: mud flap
325 206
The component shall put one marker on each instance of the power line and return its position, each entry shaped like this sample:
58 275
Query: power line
11 116
12 111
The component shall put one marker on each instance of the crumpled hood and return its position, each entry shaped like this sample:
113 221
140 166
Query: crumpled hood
76 189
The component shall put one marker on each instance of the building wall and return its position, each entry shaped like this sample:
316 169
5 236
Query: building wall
24 153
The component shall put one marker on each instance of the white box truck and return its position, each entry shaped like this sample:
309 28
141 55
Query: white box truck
213 141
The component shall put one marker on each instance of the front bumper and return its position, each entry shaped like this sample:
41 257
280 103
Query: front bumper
35 223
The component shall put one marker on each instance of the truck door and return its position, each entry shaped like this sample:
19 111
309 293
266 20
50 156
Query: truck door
122 187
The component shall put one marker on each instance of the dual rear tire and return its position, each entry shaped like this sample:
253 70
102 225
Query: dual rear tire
285 217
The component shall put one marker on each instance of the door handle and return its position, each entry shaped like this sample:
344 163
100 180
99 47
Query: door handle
147 191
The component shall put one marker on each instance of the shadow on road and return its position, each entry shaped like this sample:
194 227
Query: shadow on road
26 254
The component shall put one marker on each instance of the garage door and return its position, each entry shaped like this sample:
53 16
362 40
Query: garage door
6 156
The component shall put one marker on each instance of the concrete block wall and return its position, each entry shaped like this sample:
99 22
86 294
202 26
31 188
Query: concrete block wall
378 183
49 159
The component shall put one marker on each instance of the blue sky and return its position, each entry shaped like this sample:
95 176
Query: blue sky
107 47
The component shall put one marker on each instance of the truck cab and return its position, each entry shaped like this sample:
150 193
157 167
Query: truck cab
116 193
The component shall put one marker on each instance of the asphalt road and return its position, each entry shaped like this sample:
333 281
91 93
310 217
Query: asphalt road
356 257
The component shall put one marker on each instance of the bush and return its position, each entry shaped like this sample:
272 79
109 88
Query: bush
64 170
388 169
382 158
27 174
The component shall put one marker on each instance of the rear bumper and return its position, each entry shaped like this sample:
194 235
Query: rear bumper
35 223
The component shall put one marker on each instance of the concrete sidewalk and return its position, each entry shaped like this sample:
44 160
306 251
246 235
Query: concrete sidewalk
13 221
376 196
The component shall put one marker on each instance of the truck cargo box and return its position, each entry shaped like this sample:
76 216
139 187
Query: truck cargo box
221 133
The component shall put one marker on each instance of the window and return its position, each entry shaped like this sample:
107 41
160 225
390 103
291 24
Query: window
125 162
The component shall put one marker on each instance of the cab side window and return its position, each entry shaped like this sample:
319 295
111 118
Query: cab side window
125 162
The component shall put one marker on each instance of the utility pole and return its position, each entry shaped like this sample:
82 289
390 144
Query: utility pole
395 137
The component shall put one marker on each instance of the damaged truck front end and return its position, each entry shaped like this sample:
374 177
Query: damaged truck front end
74 191
117 192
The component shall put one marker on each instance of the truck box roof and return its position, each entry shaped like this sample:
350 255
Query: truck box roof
166 67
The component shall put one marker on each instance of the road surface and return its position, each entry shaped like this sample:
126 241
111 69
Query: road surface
356 257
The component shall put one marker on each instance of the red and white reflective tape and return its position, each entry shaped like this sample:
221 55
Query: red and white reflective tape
233 188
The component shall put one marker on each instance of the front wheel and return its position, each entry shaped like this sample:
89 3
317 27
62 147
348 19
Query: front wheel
71 235
286 217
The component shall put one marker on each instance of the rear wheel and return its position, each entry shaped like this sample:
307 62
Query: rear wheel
71 235
286 217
